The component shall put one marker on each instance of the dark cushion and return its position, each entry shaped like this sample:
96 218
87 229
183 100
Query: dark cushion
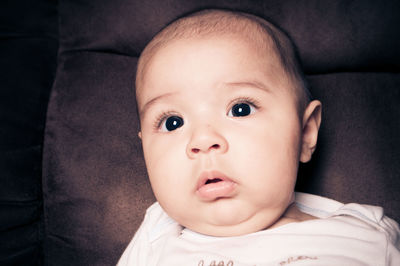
358 158
95 183
95 186
28 53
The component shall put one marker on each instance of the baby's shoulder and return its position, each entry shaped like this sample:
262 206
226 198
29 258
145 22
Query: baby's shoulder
157 223
350 215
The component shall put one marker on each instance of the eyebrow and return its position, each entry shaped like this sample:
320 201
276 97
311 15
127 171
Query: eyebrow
253 84
154 101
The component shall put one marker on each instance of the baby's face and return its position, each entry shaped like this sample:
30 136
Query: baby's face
221 135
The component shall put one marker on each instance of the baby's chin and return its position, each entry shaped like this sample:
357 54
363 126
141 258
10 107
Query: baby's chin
234 225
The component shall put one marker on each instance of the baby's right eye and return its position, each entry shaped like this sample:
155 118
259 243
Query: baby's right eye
171 123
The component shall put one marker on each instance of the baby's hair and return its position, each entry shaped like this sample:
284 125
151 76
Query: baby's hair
215 22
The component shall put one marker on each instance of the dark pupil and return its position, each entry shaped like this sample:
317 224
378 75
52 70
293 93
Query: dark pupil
241 109
173 123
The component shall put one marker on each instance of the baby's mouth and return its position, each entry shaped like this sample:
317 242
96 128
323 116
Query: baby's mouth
214 180
214 185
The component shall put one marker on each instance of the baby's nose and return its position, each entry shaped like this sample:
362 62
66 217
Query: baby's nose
206 140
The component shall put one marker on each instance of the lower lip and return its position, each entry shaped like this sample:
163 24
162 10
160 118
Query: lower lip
213 191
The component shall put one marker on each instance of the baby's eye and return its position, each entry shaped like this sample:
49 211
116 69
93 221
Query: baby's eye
171 123
241 109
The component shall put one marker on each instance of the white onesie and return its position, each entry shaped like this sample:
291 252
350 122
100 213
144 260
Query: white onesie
345 234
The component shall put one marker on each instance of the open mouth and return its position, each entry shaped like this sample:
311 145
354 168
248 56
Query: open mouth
211 177
214 185
214 180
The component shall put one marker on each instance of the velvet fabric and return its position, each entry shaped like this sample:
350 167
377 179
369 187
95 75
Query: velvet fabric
94 181
28 54
95 186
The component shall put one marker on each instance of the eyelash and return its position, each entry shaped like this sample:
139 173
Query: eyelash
164 115
160 118
247 100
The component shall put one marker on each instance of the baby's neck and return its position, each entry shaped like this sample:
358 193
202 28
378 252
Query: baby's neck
292 215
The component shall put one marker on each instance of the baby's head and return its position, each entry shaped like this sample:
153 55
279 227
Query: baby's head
225 119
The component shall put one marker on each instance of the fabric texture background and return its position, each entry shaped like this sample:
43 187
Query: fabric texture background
28 55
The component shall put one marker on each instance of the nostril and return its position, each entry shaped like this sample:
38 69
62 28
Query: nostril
195 150
215 146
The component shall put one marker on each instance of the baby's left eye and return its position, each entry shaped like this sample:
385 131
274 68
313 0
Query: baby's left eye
241 109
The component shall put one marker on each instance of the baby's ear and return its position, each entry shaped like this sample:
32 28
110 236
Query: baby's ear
311 123
140 134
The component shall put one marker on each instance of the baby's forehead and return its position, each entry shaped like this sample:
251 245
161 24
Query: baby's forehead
247 42
174 48
162 54
174 56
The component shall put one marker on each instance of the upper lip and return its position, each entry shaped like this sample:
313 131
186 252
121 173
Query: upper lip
210 175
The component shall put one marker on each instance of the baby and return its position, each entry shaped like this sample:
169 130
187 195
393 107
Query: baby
225 120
